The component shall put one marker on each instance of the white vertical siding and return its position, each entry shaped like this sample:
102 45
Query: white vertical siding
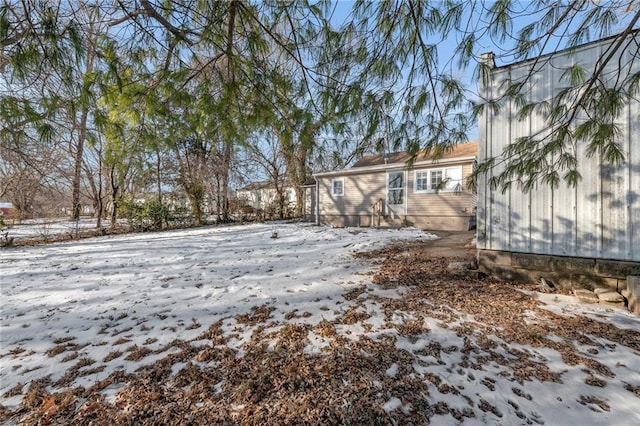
520 203
600 218
492 205
482 185
632 201
589 214
563 209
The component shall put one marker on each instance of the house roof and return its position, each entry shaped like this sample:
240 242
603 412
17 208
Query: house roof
375 163
469 149
266 184
255 186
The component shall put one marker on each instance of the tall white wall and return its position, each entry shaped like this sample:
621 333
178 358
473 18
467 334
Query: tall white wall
600 217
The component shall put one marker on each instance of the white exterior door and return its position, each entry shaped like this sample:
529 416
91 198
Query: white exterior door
396 193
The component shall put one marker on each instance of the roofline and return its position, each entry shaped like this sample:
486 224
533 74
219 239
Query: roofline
633 32
392 166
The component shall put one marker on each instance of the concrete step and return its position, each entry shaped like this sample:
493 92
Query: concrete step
585 296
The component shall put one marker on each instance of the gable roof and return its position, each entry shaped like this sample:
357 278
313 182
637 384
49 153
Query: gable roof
375 163
256 186
469 149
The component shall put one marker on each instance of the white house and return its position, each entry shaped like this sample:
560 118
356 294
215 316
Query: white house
263 197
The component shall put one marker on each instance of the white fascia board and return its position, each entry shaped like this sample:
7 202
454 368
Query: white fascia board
392 166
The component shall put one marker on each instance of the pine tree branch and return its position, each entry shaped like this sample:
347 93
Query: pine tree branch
431 79
128 15
600 66
152 13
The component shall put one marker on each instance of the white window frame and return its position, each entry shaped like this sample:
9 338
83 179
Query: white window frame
333 187
424 178
446 173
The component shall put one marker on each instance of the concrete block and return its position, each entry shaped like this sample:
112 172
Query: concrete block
495 257
611 298
531 261
505 274
567 282
611 283
532 276
573 264
633 288
589 282
617 269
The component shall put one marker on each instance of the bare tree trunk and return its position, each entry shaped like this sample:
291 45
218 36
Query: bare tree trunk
100 201
81 127
115 189
77 172
295 157
218 178
224 190
281 204
165 217
195 198
226 155
158 176
300 176
96 190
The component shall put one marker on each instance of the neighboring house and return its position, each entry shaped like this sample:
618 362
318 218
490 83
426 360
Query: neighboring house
309 199
6 210
578 236
85 210
262 196
388 191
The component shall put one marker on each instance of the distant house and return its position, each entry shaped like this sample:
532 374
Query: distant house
85 210
389 191
6 210
578 236
262 197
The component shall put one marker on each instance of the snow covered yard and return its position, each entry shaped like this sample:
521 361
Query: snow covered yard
229 325
47 229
